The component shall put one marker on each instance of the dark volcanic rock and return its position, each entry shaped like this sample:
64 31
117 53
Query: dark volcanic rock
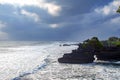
78 56
86 51
75 60
66 45
69 44
109 53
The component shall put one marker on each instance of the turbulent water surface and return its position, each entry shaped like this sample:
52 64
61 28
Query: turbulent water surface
38 61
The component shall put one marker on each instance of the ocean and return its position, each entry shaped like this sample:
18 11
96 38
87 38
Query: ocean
37 60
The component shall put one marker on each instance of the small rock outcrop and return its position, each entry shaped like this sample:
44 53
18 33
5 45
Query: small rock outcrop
77 56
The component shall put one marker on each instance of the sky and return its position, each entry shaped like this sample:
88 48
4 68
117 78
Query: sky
58 20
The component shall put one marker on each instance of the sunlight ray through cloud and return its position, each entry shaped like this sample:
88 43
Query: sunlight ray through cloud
52 8
31 15
3 35
2 24
46 19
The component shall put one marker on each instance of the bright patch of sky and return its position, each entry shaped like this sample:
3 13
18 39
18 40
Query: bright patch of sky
51 7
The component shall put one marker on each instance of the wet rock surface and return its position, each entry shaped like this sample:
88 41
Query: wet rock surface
78 56
109 54
90 48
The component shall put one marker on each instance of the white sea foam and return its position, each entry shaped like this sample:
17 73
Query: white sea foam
21 59
33 61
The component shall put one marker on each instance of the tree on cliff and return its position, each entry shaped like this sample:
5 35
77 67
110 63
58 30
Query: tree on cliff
113 39
118 10
93 43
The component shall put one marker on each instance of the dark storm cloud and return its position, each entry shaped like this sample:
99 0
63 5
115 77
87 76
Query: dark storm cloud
38 32
71 8
77 20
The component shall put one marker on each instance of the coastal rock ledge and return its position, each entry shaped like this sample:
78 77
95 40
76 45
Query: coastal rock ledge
93 47
78 56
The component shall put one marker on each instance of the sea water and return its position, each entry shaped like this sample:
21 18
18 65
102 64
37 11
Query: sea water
34 60
21 58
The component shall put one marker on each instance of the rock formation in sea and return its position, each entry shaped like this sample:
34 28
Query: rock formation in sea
78 56
89 48
109 54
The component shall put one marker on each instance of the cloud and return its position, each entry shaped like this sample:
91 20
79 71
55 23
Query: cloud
115 20
2 24
3 35
50 7
102 21
54 25
70 20
109 9
31 15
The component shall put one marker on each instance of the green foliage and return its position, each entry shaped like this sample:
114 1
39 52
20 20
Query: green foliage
113 39
105 43
117 43
118 10
93 43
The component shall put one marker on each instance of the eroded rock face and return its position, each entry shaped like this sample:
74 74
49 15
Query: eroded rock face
81 56
89 48
78 56
75 60
109 54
